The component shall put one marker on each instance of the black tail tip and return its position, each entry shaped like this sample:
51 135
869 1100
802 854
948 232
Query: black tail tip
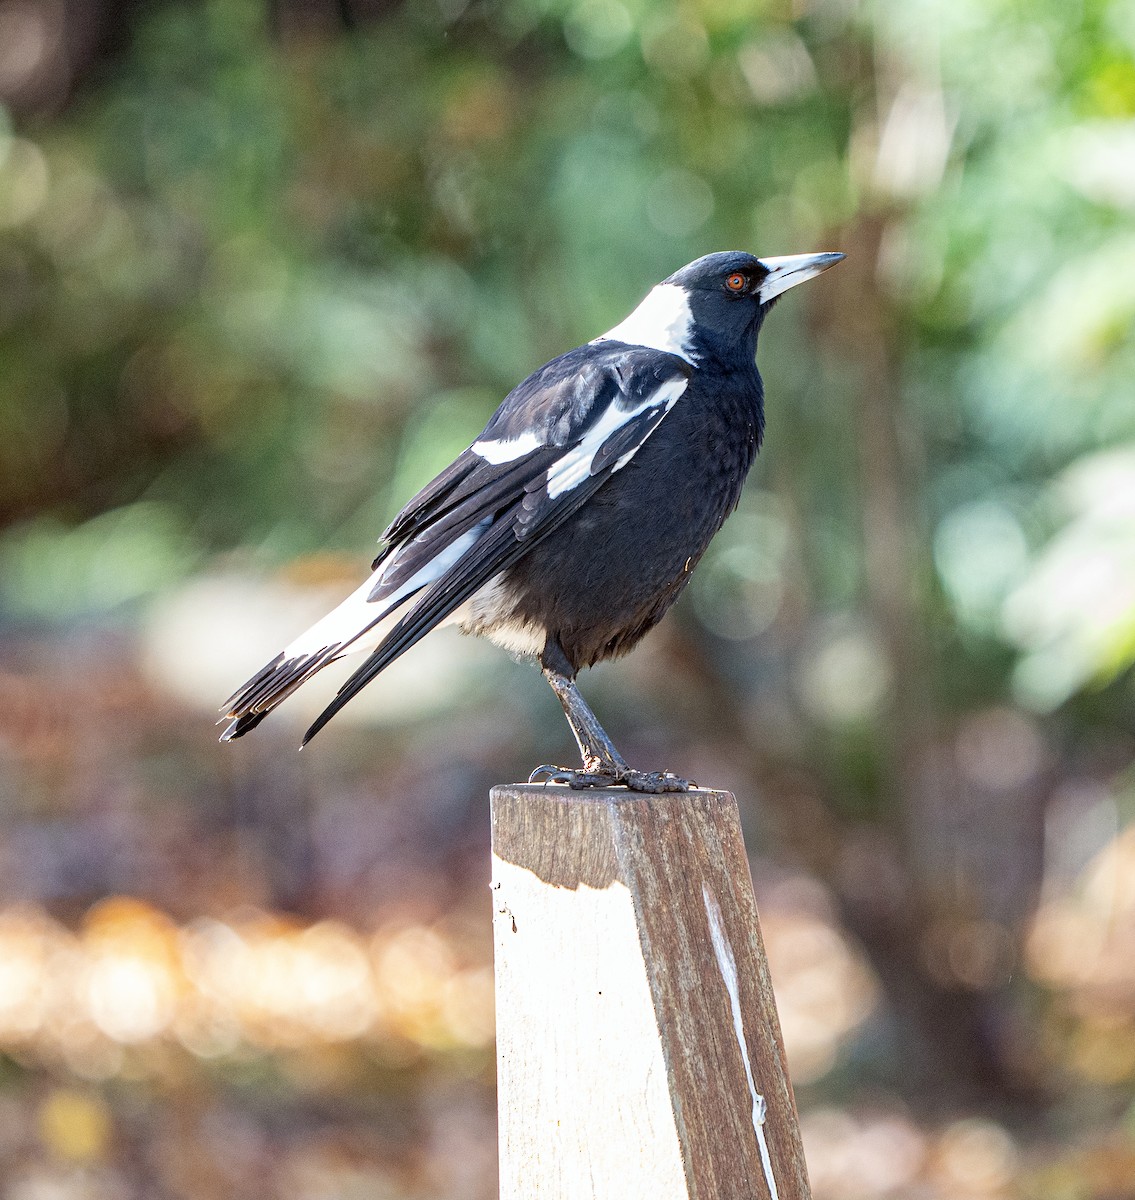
241 725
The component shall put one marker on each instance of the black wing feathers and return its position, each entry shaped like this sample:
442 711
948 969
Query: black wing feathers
514 495
507 540
483 495
554 408
627 438
426 504
559 402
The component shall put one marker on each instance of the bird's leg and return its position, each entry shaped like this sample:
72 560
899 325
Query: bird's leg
595 747
603 765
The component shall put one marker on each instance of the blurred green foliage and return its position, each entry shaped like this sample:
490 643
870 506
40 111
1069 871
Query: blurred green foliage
263 285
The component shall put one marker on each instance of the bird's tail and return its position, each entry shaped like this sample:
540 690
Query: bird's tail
441 604
386 636
356 624
271 685
387 626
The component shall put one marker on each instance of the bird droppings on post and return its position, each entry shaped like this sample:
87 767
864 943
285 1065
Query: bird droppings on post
727 964
504 910
569 527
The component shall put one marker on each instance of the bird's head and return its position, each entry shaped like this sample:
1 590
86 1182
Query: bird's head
730 293
715 305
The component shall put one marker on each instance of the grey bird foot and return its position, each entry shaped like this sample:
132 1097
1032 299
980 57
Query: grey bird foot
655 781
598 777
576 779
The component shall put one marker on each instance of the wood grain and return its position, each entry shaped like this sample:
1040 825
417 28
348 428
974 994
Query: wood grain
638 1047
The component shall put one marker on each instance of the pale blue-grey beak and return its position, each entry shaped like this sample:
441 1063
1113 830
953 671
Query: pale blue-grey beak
791 269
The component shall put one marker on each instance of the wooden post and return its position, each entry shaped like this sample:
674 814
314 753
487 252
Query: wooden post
638 1049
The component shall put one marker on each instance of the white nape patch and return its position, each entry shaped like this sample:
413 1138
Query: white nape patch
662 321
489 613
727 965
502 450
575 466
349 620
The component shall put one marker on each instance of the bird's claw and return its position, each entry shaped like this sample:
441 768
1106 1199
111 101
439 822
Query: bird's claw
598 777
550 774
575 779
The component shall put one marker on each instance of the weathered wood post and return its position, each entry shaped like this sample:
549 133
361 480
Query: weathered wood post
638 1048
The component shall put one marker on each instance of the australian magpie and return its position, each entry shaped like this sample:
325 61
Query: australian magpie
569 527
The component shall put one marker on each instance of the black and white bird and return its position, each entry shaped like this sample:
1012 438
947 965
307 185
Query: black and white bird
569 527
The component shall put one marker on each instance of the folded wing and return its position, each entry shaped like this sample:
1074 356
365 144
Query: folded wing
553 442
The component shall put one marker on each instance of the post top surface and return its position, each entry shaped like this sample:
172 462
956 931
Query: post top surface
561 793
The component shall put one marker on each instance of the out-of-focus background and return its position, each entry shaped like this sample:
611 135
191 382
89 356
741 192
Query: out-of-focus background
264 268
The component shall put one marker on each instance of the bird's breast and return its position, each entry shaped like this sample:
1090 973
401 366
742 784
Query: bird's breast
605 577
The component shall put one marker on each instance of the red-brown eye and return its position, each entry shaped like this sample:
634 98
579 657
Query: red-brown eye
736 282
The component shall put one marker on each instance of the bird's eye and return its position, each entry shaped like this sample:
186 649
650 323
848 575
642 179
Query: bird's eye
736 282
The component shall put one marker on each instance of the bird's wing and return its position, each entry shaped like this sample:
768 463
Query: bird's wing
553 442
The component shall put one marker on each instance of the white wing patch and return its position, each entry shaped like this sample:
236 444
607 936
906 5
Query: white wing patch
661 322
575 466
503 450
346 622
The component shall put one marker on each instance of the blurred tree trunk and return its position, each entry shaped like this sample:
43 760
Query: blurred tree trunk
946 1025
